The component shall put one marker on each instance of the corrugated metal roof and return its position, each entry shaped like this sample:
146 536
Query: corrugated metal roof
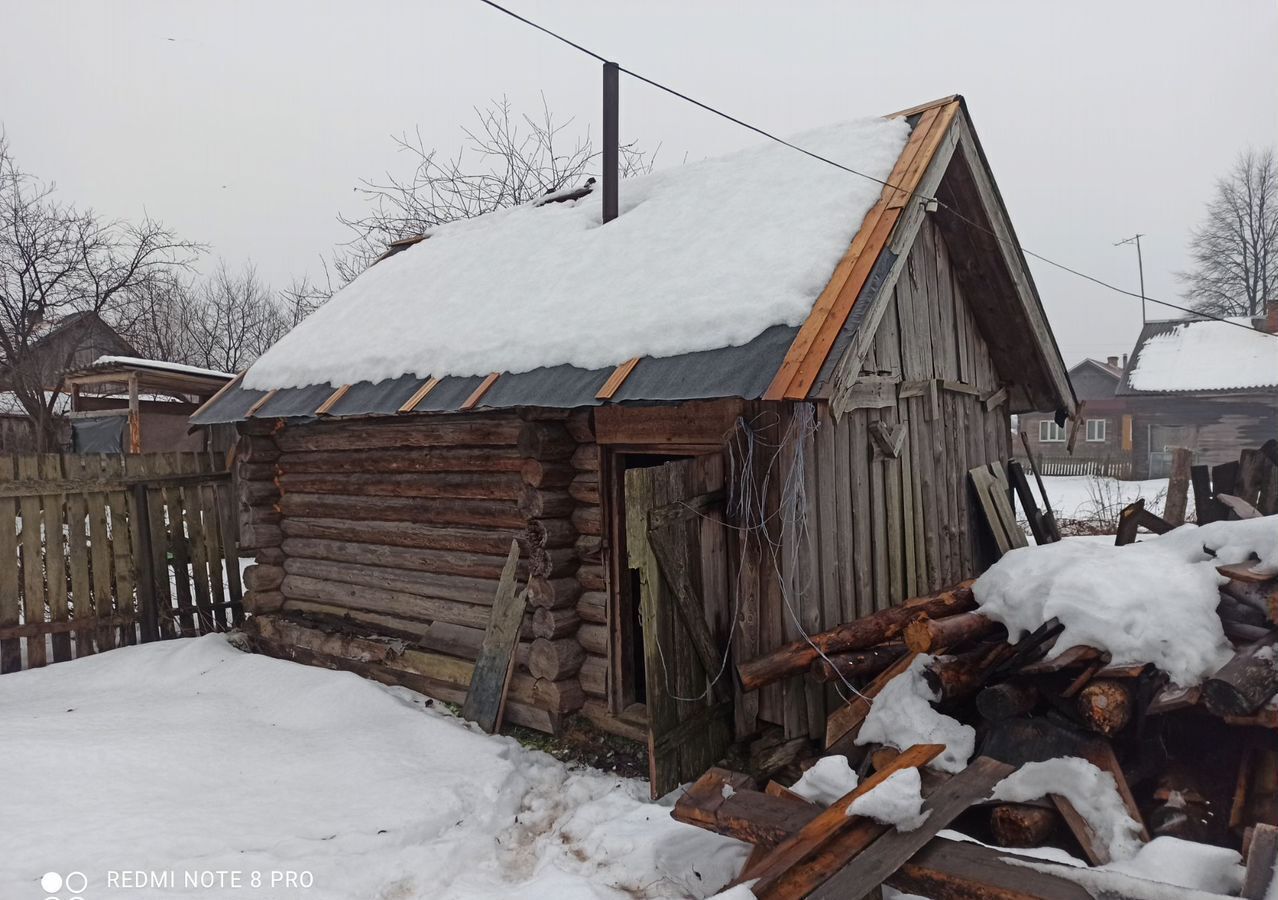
1201 356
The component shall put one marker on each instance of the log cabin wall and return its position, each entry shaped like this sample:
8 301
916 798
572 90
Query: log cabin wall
880 527
1217 428
379 544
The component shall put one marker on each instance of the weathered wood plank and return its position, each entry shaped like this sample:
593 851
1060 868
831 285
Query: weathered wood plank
10 593
33 589
55 555
486 695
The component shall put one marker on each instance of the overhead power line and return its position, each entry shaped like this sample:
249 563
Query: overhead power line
830 162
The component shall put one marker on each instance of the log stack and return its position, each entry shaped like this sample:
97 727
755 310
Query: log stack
395 531
1198 764
592 602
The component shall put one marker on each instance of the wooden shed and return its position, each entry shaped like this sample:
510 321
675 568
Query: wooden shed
677 515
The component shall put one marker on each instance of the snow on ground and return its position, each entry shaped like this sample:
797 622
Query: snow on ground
189 757
757 232
1091 497
1101 593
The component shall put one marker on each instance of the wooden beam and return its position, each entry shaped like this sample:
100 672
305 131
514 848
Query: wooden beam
262 401
473 400
332 400
419 395
224 389
617 379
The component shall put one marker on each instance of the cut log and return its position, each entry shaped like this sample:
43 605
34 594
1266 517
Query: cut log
859 663
592 577
564 696
928 635
546 441
586 458
263 578
1007 700
581 425
545 475
594 676
553 593
594 639
956 677
555 623
585 488
554 660
1106 705
588 520
260 603
859 635
592 606
1022 825
1245 683
538 504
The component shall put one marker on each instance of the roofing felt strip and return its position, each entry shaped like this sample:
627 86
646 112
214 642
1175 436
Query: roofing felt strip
419 395
478 394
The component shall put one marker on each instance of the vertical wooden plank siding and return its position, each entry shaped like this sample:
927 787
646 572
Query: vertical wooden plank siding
10 595
193 510
33 596
213 547
100 556
179 547
121 551
55 555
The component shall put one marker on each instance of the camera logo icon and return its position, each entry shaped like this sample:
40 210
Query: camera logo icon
74 883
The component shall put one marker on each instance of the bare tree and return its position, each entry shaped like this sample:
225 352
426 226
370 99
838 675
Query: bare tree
56 261
505 159
233 318
1235 251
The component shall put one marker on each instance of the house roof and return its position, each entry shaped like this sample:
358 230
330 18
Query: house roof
156 376
795 359
1115 372
1204 356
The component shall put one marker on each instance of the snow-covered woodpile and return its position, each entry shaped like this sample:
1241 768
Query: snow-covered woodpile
1108 712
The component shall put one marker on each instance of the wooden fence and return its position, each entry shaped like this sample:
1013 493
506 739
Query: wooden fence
1107 468
98 552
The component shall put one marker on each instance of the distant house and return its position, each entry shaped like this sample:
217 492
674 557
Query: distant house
1206 385
1104 443
744 410
71 342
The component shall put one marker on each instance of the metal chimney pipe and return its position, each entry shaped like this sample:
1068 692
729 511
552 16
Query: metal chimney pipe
611 140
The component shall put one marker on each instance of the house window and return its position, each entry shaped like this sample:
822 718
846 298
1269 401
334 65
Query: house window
1096 429
1050 433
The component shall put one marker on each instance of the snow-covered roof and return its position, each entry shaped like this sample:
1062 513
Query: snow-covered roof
1202 355
107 362
702 256
10 405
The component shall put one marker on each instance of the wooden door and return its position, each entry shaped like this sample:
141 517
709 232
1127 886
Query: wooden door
676 540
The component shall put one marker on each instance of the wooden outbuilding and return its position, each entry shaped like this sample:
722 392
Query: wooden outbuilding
676 515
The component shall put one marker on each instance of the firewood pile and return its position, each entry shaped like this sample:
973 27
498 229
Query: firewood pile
1197 764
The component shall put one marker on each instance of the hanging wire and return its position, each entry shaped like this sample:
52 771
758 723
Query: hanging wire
913 194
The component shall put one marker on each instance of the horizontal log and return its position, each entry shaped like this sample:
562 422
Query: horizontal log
1022 825
489 460
546 440
489 541
443 562
255 537
595 709
539 504
555 623
259 493
260 515
592 578
339 642
255 471
862 634
474 591
269 556
1246 682
546 475
594 639
431 511
399 604
469 430
586 458
590 548
254 427
858 663
594 676
257 449
263 578
585 488
1007 700
450 485
553 593
592 606
442 637
555 660
1106 705
938 635
588 520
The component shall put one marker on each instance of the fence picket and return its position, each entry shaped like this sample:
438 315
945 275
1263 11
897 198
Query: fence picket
100 558
78 557
193 507
33 598
10 597
55 561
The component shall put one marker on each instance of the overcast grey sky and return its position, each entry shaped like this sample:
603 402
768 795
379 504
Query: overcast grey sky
246 125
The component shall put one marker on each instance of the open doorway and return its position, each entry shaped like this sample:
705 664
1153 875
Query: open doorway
627 672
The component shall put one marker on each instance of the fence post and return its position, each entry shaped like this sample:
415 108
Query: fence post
141 516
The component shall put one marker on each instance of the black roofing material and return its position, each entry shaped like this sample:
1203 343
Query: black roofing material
744 371
292 403
558 387
381 398
449 394
233 406
860 309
